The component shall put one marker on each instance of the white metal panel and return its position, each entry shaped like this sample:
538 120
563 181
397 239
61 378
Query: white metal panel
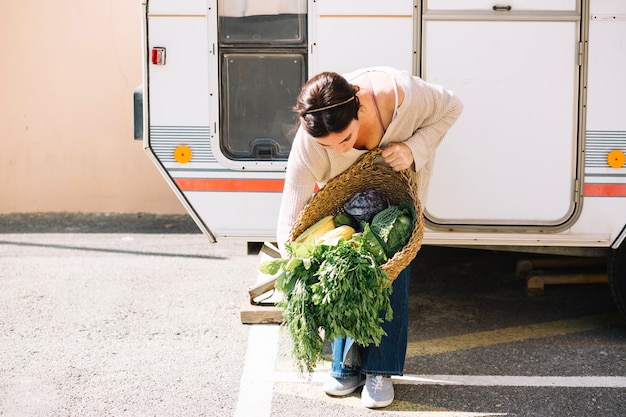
351 34
365 7
602 215
511 157
607 68
615 7
179 89
177 6
569 5
241 215
348 43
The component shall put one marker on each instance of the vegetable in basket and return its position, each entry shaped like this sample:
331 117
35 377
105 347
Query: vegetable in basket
317 230
343 218
336 285
394 226
365 204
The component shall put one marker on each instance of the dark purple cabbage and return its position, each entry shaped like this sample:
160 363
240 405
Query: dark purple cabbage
364 205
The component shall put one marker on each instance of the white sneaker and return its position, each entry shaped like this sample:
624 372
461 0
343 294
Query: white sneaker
342 386
378 391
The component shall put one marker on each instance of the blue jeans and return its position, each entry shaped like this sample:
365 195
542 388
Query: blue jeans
388 357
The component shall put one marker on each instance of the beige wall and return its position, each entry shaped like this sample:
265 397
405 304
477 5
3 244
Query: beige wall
67 74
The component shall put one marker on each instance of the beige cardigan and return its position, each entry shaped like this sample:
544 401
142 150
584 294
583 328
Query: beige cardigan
424 117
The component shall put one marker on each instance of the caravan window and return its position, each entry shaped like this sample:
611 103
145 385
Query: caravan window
263 54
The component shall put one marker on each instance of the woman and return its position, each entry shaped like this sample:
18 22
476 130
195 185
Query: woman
341 118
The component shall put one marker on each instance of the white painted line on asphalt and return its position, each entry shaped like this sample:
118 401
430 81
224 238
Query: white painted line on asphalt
291 384
257 381
516 381
315 377
483 380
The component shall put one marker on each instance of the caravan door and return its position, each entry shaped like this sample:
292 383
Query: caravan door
512 158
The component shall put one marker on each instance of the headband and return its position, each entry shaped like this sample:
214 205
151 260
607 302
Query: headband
331 106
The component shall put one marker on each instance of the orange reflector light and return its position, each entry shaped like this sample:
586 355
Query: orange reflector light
182 154
616 159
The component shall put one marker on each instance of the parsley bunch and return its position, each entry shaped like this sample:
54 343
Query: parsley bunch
339 289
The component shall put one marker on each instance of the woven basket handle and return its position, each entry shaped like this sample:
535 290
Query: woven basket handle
371 158
374 157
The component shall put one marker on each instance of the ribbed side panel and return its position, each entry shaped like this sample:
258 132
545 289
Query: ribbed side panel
600 143
165 139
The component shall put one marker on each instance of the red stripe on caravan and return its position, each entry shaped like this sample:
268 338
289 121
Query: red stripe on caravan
220 184
605 190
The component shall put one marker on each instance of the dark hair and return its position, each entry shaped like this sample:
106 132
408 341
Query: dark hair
327 104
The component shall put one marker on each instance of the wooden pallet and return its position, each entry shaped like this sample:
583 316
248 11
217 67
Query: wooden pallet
260 304
559 271
260 314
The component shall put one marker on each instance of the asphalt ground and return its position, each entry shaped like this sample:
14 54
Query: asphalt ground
139 315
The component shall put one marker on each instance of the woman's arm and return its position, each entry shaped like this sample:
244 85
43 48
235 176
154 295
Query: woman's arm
293 201
434 110
300 183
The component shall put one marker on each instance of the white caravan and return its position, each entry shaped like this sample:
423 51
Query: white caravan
536 162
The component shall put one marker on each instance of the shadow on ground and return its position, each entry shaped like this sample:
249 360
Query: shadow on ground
96 223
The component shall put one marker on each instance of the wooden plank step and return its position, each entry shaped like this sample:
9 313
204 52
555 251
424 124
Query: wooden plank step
260 306
260 314
535 284
526 266
562 270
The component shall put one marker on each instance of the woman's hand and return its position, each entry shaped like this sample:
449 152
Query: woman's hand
398 156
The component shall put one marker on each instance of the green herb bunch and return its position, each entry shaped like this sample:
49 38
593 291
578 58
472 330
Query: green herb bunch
339 289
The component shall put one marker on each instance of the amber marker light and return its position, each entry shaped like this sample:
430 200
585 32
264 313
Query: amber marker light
182 154
616 159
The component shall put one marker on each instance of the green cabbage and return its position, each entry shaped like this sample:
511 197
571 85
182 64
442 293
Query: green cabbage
394 227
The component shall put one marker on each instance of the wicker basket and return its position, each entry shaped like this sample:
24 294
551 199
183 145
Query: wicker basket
366 173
